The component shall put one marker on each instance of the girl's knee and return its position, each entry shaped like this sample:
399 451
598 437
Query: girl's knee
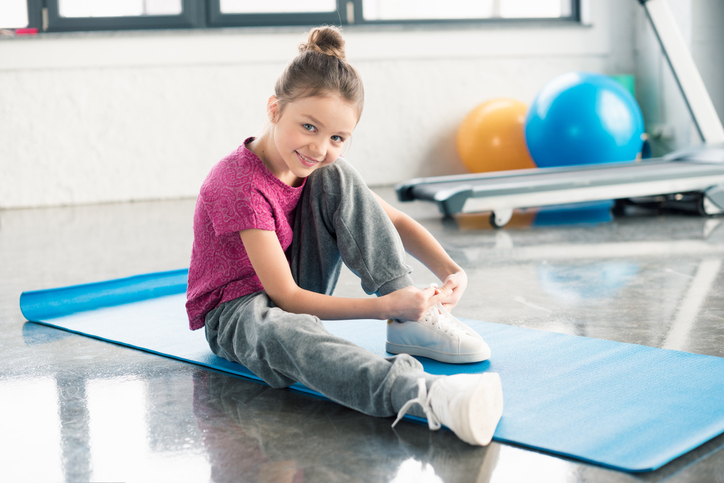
343 168
337 177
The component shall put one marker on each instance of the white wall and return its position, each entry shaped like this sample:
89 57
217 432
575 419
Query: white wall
88 118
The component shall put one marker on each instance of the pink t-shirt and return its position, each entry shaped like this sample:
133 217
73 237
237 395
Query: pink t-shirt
239 193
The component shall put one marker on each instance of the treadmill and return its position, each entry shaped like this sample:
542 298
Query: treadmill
692 178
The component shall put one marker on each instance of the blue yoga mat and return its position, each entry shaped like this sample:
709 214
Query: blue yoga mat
624 406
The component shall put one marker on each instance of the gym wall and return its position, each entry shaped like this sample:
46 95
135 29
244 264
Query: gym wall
122 116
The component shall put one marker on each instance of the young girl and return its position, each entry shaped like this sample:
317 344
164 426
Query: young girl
274 222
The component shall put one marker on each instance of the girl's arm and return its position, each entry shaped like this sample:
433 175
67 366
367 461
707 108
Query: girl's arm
422 245
272 268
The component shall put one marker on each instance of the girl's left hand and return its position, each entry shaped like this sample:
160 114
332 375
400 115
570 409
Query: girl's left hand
452 289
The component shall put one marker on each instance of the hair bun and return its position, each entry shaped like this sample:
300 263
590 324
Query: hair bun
325 40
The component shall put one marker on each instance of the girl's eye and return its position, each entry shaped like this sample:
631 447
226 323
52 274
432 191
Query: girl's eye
337 139
308 127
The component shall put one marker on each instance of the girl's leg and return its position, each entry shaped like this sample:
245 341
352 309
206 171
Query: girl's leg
337 220
284 348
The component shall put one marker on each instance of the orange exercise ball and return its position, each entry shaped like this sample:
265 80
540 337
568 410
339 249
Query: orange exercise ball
492 137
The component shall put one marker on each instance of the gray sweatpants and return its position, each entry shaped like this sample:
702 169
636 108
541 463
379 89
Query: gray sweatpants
337 220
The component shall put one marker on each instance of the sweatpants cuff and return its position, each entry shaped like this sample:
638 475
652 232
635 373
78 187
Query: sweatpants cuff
405 388
395 285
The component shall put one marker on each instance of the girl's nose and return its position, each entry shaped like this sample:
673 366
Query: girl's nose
317 149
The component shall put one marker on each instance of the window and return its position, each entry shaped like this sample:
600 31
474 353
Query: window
13 14
280 6
127 8
251 13
74 15
381 10
79 15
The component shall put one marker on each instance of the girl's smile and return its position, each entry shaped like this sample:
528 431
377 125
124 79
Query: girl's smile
308 162
307 134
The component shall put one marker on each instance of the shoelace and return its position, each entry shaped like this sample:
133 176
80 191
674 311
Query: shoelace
438 315
423 399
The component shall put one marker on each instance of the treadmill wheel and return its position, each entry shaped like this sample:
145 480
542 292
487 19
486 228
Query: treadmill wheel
500 218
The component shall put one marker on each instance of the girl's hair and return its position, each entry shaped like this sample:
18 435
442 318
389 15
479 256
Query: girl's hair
320 69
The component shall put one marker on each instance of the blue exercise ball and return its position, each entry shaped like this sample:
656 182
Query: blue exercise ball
583 118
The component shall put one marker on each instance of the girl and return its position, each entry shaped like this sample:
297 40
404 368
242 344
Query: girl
273 223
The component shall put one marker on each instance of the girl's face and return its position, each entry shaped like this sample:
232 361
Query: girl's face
309 134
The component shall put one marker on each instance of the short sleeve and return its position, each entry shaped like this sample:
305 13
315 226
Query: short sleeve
233 203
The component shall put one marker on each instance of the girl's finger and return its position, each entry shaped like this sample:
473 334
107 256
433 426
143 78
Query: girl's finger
436 299
447 287
429 292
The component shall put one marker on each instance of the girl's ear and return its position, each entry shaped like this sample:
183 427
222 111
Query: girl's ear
272 109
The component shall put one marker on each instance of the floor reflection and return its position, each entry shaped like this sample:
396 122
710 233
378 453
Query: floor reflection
688 310
29 409
259 433
578 284
515 464
119 436
74 420
580 214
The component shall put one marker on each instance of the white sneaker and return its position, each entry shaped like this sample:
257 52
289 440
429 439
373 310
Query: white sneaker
437 335
471 405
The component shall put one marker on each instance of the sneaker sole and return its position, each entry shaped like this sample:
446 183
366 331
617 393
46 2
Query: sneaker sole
486 409
436 355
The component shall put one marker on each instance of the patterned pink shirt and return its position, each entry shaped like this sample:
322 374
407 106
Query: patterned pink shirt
239 193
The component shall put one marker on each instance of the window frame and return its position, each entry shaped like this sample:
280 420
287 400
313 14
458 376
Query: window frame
206 14
191 16
35 14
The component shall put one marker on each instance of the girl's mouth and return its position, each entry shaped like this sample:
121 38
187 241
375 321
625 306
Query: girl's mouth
308 162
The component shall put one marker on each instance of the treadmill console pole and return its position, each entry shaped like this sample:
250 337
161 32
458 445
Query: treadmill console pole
684 69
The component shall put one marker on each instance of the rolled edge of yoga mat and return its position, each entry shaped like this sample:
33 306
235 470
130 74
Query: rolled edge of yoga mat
47 304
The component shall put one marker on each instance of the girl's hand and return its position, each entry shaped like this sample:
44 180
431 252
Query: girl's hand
452 289
409 303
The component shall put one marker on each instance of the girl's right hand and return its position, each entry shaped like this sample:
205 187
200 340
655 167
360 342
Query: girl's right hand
409 303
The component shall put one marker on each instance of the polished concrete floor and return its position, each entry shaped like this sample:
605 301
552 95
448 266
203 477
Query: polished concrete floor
79 410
